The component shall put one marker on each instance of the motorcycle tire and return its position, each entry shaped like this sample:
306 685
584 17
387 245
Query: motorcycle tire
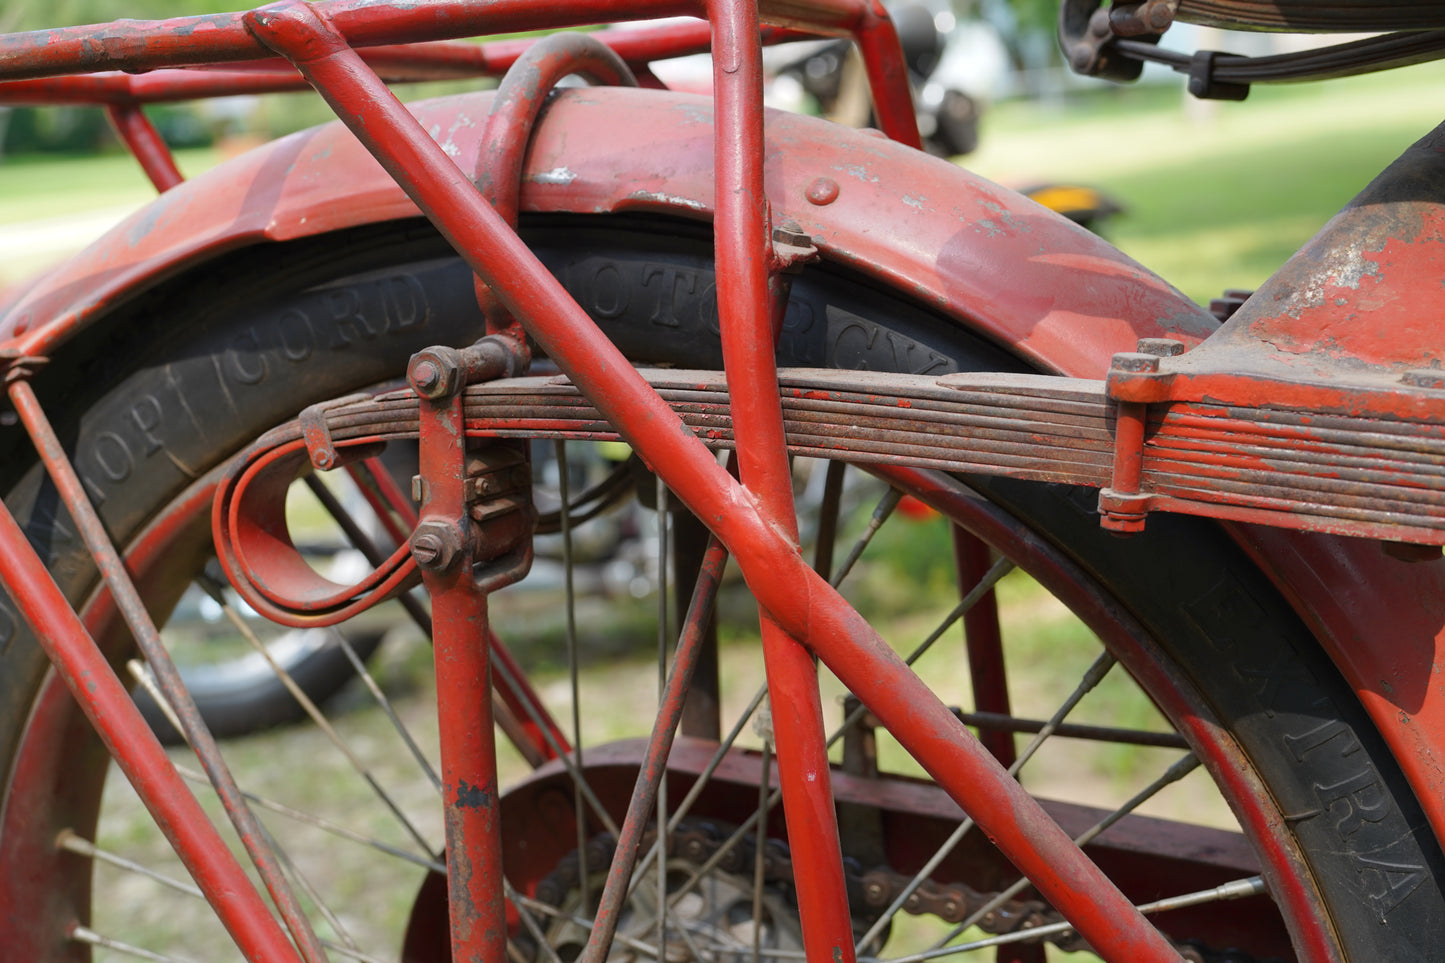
288 325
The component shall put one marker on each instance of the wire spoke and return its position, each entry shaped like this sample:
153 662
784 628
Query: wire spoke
307 887
885 508
545 909
325 825
69 841
83 934
760 858
565 757
1092 677
351 953
366 678
1173 774
215 591
998 570
147 680
564 482
662 635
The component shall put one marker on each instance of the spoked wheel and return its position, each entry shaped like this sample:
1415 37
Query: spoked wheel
1166 650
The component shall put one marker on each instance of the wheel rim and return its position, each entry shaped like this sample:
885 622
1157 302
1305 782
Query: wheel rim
58 884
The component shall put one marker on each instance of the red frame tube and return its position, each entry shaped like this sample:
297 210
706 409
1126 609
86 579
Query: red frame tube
138 753
470 795
402 63
742 237
128 601
219 38
145 142
789 590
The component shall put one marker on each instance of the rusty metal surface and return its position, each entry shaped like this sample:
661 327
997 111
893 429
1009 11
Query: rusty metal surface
1219 462
320 182
1311 383
1150 855
125 732
970 249
1309 569
138 753
1343 315
816 616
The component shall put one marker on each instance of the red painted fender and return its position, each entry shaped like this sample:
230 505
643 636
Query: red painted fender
998 263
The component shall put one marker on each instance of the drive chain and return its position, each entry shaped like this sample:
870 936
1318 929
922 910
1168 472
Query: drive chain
870 892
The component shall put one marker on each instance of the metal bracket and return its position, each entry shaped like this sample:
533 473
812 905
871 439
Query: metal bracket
1087 33
792 247
317 431
1122 507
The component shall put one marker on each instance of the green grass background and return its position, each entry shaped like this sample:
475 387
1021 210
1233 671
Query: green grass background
1216 194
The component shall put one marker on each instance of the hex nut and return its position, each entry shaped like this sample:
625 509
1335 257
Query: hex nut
435 373
792 234
436 546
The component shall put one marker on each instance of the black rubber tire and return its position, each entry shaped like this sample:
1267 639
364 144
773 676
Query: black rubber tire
185 376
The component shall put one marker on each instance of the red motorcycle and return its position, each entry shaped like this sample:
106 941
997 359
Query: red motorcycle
1247 515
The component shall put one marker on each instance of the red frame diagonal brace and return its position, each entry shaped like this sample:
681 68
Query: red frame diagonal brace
789 590
130 741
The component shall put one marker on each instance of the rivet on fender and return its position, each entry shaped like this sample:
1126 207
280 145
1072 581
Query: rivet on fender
823 191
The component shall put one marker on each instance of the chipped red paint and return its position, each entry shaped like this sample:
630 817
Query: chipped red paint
999 283
745 259
1342 349
321 181
135 749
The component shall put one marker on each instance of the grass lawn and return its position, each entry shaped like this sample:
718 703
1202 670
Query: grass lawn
51 207
1217 195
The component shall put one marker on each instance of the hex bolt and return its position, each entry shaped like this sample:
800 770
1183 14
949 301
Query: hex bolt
426 376
435 373
436 546
792 233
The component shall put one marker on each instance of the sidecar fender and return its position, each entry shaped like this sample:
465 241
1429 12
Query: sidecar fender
996 262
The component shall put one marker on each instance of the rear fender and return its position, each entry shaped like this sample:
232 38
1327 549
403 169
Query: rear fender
994 261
